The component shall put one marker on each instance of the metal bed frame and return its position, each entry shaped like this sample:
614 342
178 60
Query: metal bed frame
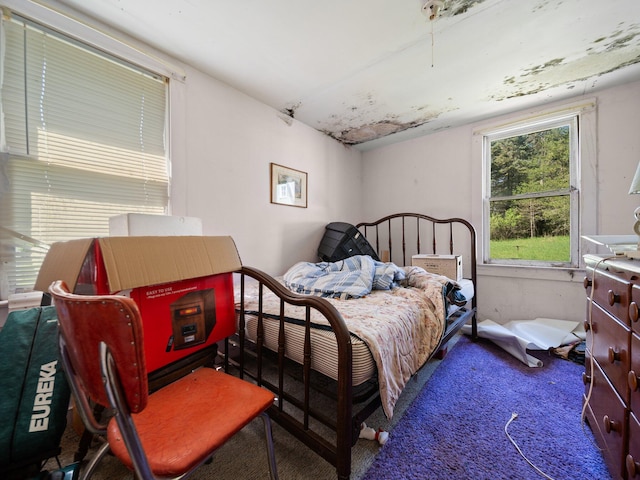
398 236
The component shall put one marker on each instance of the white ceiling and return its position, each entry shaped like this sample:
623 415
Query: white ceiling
372 72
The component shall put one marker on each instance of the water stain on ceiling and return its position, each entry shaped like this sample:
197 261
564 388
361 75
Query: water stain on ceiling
606 55
373 72
580 69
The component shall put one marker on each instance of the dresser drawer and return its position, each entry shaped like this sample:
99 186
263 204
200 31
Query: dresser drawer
633 457
607 418
634 308
596 429
611 293
633 378
609 342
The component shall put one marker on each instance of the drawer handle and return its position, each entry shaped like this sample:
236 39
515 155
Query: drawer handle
610 425
586 379
613 297
587 325
633 467
632 380
633 311
614 356
587 282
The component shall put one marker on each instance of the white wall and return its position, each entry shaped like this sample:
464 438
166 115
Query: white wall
618 154
429 175
435 174
222 145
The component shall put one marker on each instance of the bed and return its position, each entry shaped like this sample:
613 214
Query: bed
329 359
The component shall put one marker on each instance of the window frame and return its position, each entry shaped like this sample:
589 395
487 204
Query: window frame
539 125
92 38
585 110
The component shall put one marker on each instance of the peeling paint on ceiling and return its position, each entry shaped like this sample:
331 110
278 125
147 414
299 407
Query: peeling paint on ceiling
620 50
458 7
344 131
372 72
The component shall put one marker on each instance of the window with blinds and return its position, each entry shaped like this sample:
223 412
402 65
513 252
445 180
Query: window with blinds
82 138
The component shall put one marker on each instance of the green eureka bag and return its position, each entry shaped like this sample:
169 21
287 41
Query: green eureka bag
34 393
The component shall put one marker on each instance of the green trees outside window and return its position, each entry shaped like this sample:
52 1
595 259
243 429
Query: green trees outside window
530 199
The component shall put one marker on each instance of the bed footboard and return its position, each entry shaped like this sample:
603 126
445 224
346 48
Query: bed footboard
296 411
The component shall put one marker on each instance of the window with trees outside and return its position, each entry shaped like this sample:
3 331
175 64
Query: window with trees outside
82 139
531 194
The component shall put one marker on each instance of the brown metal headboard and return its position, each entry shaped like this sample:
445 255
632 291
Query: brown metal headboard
398 237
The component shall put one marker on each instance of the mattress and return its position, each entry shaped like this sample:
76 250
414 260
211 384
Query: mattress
414 318
325 356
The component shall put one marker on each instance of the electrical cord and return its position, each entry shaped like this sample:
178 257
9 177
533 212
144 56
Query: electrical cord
583 413
588 396
513 417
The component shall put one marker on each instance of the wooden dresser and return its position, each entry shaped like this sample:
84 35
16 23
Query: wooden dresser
612 367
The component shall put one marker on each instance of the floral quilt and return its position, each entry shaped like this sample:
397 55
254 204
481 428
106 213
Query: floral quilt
401 326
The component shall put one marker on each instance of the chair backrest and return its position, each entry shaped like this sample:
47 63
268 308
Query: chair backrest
86 321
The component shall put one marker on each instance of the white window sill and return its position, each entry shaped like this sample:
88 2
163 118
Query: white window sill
532 273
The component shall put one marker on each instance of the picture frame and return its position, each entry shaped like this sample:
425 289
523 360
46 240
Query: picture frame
288 186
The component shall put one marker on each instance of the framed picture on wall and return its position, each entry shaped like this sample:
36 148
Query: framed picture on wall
288 186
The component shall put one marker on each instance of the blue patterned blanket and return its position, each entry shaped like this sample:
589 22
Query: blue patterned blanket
353 277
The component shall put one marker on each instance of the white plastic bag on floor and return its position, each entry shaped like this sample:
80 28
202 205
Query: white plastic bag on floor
518 336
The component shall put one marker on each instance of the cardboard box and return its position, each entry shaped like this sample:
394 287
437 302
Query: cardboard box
141 224
182 285
447 265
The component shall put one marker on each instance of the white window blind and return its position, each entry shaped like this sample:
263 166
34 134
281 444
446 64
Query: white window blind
82 139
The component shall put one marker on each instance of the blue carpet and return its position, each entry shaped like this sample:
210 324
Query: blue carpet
455 427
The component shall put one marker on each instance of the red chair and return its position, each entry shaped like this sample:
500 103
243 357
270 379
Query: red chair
167 433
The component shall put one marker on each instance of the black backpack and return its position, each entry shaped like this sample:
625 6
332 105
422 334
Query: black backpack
342 240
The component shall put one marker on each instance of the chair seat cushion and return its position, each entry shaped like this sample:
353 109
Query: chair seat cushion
177 433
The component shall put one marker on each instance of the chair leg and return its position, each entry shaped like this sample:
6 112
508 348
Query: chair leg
273 469
93 463
87 436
